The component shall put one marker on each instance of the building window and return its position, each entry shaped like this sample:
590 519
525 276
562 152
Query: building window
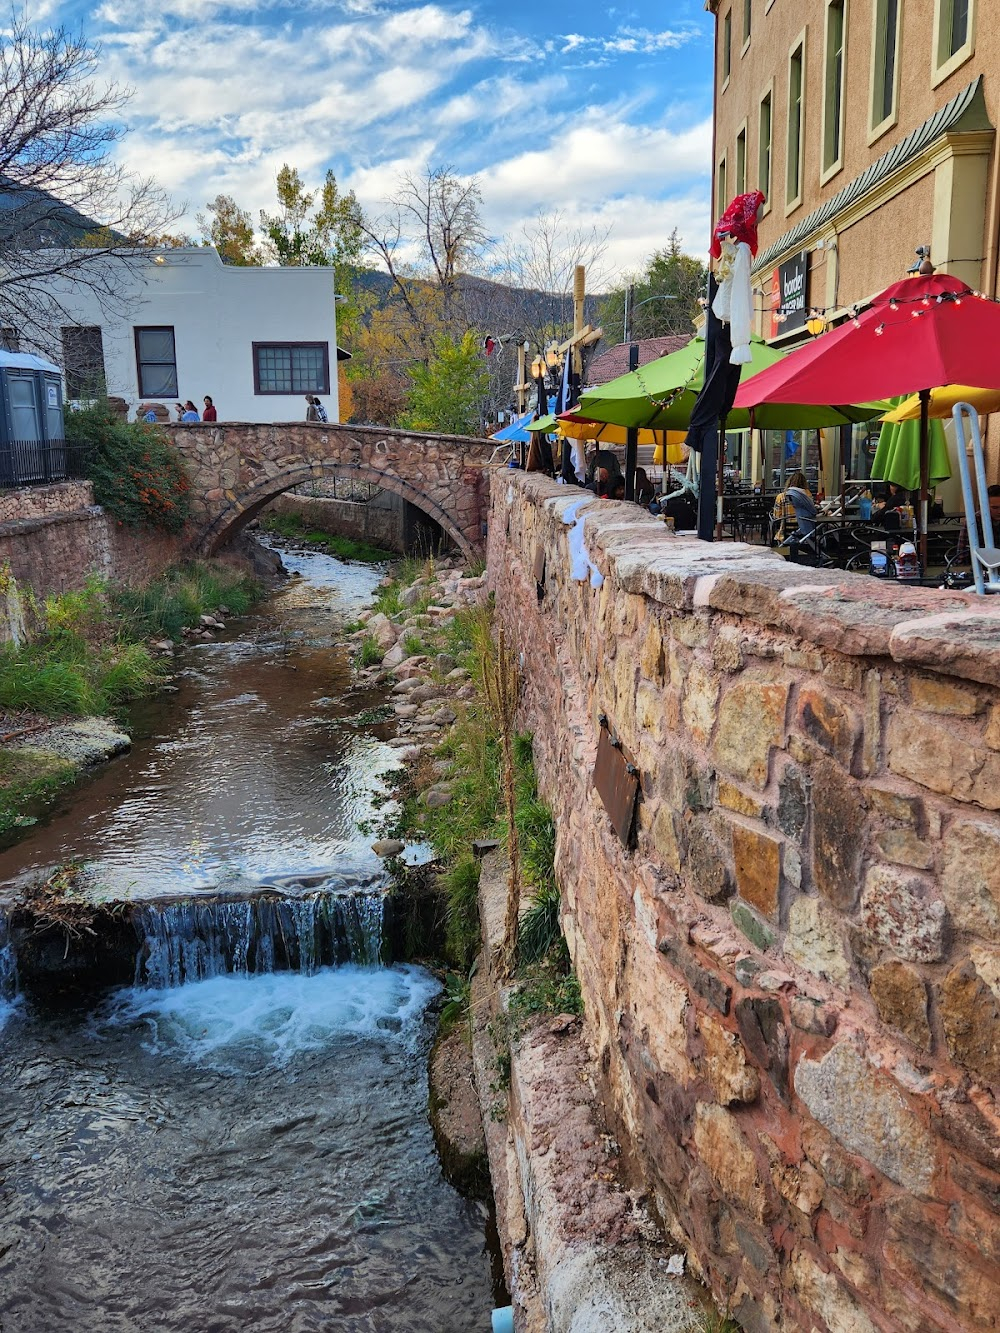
764 148
741 162
83 361
747 20
9 340
793 172
721 196
833 89
954 24
291 368
727 47
156 360
885 65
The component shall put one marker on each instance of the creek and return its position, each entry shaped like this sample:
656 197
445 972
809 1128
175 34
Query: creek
239 1140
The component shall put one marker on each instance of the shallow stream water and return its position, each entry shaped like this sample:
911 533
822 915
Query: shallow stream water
250 1150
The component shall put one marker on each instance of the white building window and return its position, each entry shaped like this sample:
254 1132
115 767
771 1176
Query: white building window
765 128
291 368
156 361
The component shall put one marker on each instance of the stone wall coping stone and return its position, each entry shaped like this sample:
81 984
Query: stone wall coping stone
21 527
375 432
955 633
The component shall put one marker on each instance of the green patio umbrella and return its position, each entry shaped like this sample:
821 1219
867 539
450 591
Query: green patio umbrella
660 396
897 457
544 424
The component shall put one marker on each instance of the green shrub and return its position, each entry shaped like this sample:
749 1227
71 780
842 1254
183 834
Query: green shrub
369 653
413 645
137 473
539 929
461 887
162 608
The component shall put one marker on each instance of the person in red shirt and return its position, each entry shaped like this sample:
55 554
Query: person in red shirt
209 413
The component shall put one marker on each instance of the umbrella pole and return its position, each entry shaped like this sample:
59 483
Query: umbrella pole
819 463
632 435
720 478
846 435
925 467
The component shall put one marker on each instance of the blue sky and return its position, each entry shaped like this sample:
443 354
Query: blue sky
599 113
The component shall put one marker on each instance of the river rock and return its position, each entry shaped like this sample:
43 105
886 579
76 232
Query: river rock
386 847
85 741
395 655
412 667
424 693
459 673
444 716
437 796
444 663
411 595
405 686
406 710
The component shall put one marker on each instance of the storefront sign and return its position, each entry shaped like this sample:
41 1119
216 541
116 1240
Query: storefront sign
790 295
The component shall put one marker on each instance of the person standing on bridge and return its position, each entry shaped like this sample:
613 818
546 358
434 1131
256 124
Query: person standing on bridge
209 413
312 410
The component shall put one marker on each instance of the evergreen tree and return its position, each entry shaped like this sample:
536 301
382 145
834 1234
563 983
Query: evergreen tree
670 274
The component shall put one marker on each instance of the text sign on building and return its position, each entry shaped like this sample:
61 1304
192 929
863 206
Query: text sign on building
790 295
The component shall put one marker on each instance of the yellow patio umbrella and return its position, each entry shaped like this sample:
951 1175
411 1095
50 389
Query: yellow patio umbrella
572 426
943 400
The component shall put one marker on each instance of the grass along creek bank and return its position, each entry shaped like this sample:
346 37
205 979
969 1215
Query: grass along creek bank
70 665
510 1072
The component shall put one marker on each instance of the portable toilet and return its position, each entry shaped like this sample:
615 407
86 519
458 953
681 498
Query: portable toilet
32 431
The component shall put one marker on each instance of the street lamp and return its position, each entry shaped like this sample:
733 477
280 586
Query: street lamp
631 306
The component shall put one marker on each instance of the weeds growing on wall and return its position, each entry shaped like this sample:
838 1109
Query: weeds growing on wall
344 548
138 475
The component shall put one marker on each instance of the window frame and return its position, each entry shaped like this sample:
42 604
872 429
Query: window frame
727 47
74 376
291 346
722 185
943 68
747 26
798 47
765 186
877 128
829 169
740 185
137 329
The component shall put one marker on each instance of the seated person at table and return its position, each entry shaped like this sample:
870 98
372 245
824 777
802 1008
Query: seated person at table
794 509
892 500
616 491
645 491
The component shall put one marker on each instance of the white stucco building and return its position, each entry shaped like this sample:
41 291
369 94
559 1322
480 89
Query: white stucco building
255 339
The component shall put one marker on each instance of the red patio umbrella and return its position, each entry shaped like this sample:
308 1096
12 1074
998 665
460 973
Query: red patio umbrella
915 336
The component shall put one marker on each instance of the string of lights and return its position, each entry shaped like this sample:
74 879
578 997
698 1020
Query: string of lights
853 312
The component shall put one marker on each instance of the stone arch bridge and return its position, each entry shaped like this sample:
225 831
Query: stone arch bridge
236 468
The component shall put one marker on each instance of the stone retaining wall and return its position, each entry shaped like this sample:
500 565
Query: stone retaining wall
61 497
55 550
378 524
792 980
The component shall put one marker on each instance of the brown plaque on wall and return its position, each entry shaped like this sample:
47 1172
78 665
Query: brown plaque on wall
617 781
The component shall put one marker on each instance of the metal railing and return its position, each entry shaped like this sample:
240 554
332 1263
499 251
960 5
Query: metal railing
39 462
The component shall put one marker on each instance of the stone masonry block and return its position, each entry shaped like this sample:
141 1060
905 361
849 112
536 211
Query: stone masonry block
827 1297
815 941
868 1114
751 723
969 1003
757 858
831 724
931 694
723 1064
729 1159
839 826
970 878
936 757
897 914
900 996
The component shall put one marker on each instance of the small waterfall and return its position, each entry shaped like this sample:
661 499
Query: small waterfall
8 962
193 940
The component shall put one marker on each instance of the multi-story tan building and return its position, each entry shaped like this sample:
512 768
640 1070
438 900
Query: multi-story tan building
869 126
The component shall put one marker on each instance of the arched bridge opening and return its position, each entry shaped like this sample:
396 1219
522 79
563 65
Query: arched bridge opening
240 510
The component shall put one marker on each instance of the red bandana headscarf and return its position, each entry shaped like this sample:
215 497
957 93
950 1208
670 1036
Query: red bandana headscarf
739 221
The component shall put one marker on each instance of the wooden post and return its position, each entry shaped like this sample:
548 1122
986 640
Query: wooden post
521 386
579 292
